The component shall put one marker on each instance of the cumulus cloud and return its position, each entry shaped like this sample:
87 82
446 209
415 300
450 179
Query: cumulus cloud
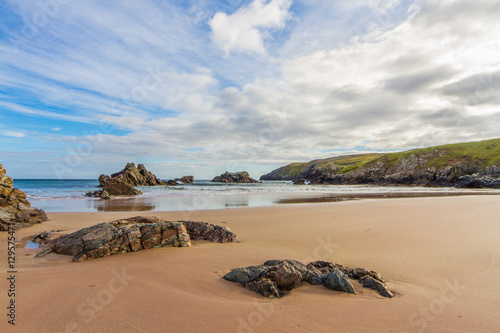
245 30
425 73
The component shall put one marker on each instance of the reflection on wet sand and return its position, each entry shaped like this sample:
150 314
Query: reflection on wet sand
335 197
123 205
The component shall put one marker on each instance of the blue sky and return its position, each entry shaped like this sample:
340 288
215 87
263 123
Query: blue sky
200 87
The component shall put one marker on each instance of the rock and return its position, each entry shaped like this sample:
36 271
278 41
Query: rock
336 280
237 177
116 186
265 287
120 236
299 182
42 237
210 232
246 274
297 265
15 210
285 276
275 277
138 176
185 179
371 283
103 179
99 194
314 276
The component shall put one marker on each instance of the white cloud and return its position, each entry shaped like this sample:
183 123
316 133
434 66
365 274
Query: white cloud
421 77
13 134
245 30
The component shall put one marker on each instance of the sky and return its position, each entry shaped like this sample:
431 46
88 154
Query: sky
198 87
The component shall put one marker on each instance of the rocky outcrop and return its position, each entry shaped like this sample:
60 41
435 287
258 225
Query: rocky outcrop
234 177
135 176
114 187
120 236
185 179
275 278
131 235
466 165
209 232
15 210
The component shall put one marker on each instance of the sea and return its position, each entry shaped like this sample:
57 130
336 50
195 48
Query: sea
54 195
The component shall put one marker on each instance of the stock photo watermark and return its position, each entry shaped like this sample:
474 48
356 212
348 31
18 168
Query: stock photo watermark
94 304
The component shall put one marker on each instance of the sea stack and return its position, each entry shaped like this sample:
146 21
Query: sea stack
234 177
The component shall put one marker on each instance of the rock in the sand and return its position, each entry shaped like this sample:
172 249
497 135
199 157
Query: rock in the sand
15 210
285 275
42 237
245 275
236 177
336 280
297 265
121 236
210 232
371 283
266 287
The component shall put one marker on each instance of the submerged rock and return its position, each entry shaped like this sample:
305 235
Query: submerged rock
15 210
275 277
185 179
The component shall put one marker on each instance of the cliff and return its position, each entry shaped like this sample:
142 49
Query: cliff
472 165
15 210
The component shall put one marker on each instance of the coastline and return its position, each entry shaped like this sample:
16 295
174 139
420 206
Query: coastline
440 255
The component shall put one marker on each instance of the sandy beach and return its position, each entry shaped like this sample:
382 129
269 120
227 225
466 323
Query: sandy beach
440 255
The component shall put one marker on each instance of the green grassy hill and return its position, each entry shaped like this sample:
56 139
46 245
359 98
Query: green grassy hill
452 161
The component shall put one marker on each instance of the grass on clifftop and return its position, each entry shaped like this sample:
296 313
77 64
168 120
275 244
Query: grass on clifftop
485 153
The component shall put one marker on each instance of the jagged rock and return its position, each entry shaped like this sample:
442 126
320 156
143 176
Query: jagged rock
210 232
15 210
265 287
371 283
116 186
297 265
285 276
237 177
120 236
336 280
185 179
314 276
103 179
288 274
137 176
246 274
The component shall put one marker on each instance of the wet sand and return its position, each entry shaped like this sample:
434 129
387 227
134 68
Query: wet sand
440 255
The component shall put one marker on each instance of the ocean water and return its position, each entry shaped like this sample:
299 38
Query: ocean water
69 195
